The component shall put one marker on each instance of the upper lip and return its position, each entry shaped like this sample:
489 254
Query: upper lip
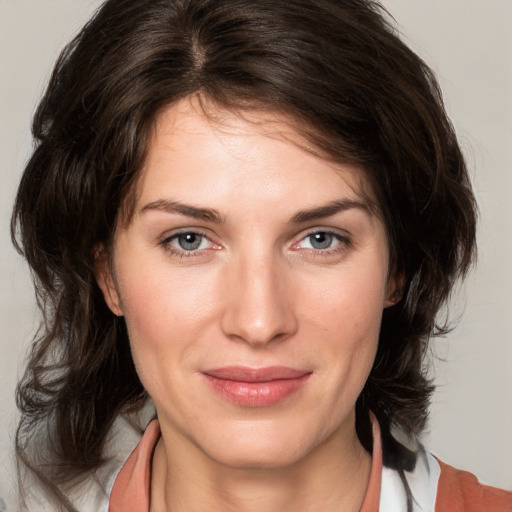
247 374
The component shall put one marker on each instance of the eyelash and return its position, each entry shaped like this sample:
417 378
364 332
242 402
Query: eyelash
343 243
182 253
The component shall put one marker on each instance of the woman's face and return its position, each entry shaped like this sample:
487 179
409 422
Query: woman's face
252 278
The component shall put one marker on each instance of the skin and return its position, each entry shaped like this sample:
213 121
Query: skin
258 291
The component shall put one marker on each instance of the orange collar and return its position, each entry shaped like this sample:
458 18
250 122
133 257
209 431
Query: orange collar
131 489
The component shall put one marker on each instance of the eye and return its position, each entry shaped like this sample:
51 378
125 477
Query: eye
187 243
320 241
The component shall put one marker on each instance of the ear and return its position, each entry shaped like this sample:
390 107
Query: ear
106 280
395 289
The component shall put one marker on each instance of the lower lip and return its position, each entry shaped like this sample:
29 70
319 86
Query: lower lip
257 394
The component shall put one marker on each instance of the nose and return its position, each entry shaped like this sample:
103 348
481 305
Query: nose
259 302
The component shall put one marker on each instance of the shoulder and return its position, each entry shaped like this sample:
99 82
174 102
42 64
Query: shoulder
423 482
460 491
438 487
94 493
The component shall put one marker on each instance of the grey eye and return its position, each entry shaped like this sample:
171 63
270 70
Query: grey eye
321 240
189 241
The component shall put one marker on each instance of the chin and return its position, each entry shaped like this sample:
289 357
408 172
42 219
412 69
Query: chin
258 457
257 446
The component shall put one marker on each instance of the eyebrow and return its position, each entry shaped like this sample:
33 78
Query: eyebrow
168 206
330 209
212 215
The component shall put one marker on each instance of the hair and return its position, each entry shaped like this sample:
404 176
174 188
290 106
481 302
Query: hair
339 70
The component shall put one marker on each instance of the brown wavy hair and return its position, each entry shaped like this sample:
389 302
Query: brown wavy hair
340 71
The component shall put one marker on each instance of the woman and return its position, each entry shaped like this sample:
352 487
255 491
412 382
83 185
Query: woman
249 213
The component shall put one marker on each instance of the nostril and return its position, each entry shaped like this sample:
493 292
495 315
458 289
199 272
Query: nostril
259 326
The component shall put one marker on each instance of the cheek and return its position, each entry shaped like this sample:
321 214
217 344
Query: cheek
344 314
155 300
349 302
158 329
166 312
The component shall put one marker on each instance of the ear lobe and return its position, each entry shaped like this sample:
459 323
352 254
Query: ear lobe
395 290
106 281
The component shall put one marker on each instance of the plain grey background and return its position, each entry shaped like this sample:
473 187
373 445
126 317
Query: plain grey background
468 43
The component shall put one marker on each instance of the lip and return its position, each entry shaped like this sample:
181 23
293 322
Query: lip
256 387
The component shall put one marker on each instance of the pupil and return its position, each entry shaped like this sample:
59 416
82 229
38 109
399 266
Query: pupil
189 241
321 240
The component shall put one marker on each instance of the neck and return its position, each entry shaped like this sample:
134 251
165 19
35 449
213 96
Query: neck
332 478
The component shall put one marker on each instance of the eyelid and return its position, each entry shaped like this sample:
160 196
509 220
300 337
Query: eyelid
180 230
338 233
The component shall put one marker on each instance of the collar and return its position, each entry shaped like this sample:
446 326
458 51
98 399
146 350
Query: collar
131 490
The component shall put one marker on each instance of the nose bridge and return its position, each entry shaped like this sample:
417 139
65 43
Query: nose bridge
259 306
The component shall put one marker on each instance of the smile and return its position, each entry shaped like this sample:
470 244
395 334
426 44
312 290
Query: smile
256 387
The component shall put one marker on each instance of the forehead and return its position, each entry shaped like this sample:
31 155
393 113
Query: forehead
200 151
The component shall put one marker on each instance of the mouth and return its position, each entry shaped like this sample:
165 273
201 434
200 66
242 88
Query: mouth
256 387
